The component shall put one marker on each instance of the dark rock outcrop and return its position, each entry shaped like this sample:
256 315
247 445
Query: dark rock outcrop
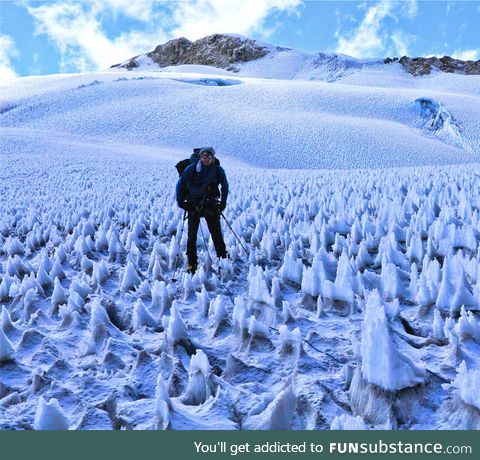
131 64
472 67
423 66
171 53
215 50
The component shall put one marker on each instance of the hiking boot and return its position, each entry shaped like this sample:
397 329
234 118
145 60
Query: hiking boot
192 268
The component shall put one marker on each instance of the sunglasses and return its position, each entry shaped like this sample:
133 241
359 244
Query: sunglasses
206 156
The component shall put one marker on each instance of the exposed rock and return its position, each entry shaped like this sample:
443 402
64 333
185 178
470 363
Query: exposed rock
171 53
215 50
472 67
131 64
423 66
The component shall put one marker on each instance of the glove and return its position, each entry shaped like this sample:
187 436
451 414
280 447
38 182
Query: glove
221 207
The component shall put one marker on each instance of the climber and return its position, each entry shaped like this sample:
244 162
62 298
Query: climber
197 193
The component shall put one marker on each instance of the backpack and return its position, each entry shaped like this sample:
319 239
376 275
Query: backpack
182 165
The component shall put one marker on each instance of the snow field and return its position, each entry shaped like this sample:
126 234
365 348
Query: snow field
357 286
264 122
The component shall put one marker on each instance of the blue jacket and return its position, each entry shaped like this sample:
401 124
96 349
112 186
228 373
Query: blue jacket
193 184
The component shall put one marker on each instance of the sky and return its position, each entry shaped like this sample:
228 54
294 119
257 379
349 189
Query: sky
45 37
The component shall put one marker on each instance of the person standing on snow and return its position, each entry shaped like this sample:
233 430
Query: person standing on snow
197 193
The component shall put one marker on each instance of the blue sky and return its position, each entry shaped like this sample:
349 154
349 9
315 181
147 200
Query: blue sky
38 37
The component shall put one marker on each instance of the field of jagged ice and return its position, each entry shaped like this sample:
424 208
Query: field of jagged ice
355 305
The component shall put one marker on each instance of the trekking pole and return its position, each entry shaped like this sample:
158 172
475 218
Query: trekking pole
230 227
315 348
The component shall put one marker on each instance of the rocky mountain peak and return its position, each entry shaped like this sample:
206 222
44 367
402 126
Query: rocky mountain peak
216 50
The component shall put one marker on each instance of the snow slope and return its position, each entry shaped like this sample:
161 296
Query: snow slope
320 125
102 329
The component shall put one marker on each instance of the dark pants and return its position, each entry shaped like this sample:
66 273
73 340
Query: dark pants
215 229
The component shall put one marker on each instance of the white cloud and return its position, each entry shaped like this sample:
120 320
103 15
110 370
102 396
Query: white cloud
467 55
142 10
402 42
78 32
366 40
198 18
7 52
411 8
371 38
